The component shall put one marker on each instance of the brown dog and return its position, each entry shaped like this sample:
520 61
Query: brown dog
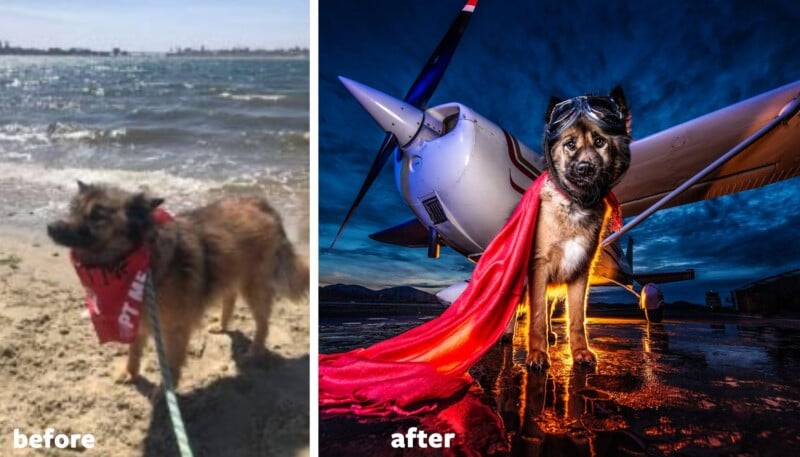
587 150
203 256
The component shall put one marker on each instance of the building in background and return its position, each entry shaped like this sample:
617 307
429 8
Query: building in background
779 294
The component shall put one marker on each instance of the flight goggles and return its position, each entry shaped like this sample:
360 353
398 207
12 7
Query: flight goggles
603 110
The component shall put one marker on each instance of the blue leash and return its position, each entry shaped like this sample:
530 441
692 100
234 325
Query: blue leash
169 392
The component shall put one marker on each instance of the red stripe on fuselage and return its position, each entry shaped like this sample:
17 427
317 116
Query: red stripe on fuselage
516 158
514 185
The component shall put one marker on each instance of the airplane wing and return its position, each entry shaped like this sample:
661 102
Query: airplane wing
661 278
663 161
409 234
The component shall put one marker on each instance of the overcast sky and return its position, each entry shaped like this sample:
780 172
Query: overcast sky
675 60
150 25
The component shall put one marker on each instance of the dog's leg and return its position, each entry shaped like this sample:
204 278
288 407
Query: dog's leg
130 370
176 344
538 357
551 307
576 304
225 317
259 298
508 333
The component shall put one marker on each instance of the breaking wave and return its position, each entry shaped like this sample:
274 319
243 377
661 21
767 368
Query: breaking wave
252 97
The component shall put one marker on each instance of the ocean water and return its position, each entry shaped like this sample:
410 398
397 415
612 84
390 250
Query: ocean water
188 129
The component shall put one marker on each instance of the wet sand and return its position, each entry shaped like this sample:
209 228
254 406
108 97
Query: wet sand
716 386
54 374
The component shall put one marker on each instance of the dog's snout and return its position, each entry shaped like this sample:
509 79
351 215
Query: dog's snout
584 169
66 235
53 228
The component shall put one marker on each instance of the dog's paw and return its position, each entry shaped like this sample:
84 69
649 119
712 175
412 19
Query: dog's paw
255 352
537 360
156 394
124 376
584 358
217 329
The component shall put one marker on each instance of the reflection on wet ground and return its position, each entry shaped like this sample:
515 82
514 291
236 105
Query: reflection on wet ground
716 387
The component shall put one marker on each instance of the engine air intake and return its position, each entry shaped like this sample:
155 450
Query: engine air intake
434 209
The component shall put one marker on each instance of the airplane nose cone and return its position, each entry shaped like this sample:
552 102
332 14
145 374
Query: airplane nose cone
393 115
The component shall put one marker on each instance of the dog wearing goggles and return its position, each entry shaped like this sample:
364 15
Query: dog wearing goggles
586 146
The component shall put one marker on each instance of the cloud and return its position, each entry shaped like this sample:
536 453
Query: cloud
675 60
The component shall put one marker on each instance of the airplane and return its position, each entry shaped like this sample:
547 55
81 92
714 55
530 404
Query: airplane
462 175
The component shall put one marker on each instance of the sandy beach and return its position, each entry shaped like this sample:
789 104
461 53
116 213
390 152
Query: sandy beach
54 374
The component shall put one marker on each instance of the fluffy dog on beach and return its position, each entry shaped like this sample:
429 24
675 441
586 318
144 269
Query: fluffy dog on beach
586 145
210 254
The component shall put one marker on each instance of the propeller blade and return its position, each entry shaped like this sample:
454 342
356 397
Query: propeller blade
386 149
418 96
427 81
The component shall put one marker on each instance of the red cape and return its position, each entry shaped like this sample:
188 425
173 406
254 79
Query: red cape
408 373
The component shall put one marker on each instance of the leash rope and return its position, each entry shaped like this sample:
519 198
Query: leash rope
169 392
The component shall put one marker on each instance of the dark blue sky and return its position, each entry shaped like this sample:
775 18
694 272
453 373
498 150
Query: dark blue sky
675 60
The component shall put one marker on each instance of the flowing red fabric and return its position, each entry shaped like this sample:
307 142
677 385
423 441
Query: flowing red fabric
408 373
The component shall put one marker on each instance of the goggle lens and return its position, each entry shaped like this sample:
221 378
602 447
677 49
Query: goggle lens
601 107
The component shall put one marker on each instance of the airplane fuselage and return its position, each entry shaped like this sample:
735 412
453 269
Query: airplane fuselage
464 177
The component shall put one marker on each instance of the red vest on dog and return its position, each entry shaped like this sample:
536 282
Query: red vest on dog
115 293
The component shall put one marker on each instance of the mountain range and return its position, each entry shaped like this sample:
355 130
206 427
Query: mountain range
360 294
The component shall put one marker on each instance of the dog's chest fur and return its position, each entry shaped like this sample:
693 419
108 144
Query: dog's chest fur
566 235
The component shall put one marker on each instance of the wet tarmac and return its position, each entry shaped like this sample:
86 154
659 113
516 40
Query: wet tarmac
711 387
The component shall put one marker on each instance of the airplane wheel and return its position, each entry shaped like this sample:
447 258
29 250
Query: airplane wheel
654 315
651 300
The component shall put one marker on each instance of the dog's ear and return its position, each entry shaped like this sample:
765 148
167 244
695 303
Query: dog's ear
550 105
619 97
156 202
82 187
138 205
138 209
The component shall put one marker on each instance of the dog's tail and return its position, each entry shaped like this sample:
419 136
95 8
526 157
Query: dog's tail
291 272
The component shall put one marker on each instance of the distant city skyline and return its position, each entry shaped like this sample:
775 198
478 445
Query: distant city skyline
5 46
149 26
